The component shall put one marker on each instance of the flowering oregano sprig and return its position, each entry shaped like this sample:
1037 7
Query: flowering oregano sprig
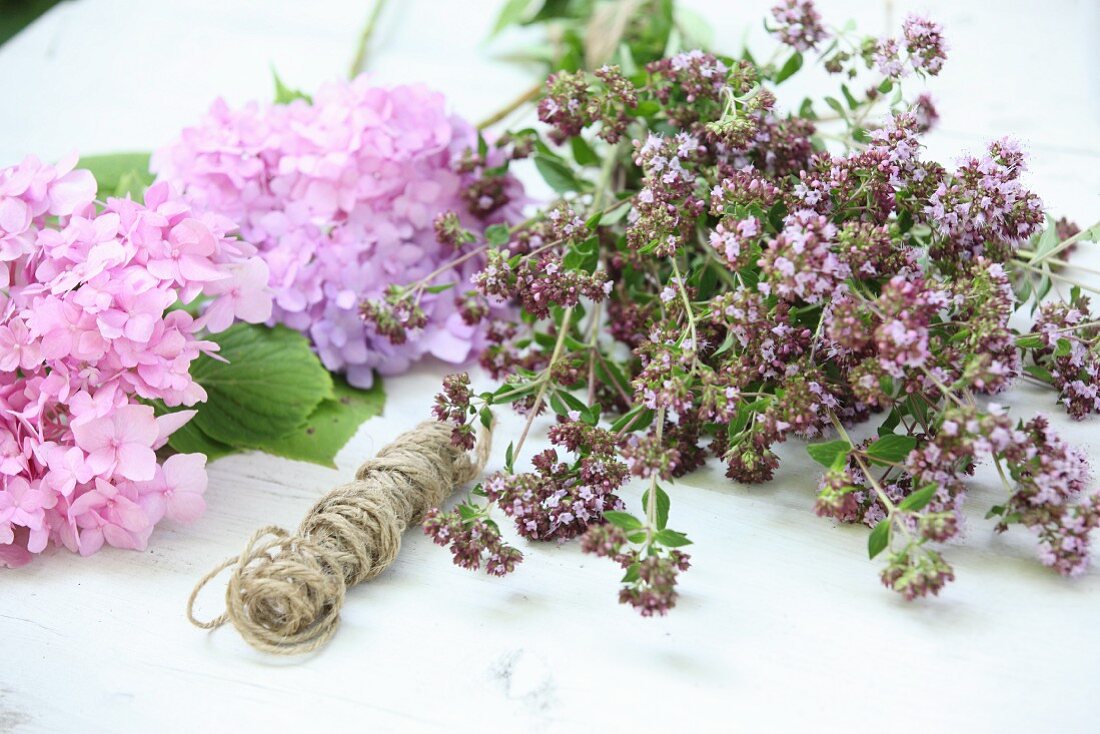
473 539
726 276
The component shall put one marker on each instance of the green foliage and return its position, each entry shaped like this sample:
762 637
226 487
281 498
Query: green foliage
497 234
919 499
830 453
792 65
189 439
513 12
590 33
879 538
119 174
284 94
266 390
671 538
264 384
583 153
557 175
624 520
663 503
891 448
331 424
15 15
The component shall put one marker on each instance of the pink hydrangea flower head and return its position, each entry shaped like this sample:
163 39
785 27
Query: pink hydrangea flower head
120 443
88 336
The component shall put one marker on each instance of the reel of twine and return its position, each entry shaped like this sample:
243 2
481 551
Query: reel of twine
285 591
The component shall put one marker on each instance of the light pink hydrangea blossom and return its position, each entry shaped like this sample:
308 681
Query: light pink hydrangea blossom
88 334
339 195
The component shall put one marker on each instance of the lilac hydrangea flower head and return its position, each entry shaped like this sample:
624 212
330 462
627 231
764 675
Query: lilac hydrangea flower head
339 195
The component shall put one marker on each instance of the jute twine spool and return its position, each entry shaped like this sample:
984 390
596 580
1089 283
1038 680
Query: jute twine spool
285 591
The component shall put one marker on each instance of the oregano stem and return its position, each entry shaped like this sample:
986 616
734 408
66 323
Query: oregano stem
651 498
563 331
1056 276
1087 232
1054 261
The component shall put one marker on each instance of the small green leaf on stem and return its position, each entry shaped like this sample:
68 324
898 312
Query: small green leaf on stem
556 174
792 65
119 174
624 520
497 234
662 506
919 499
891 448
826 453
1030 341
583 153
513 12
879 538
671 538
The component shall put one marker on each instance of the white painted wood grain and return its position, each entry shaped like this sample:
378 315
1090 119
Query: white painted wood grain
782 624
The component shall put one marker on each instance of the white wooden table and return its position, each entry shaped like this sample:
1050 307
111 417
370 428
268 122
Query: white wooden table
782 623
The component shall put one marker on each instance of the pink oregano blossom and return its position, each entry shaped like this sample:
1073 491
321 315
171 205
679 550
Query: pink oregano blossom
89 333
339 194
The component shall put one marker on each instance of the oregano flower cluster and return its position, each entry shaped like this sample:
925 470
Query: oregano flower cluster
769 276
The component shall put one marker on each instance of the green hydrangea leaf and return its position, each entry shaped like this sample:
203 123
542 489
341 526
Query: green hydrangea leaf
285 94
119 174
263 385
189 438
331 425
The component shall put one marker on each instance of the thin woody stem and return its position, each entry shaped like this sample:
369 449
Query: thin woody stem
1054 261
688 313
594 349
1084 233
511 107
423 282
358 63
1055 276
563 331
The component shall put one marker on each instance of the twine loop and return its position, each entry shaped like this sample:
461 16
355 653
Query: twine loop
285 591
